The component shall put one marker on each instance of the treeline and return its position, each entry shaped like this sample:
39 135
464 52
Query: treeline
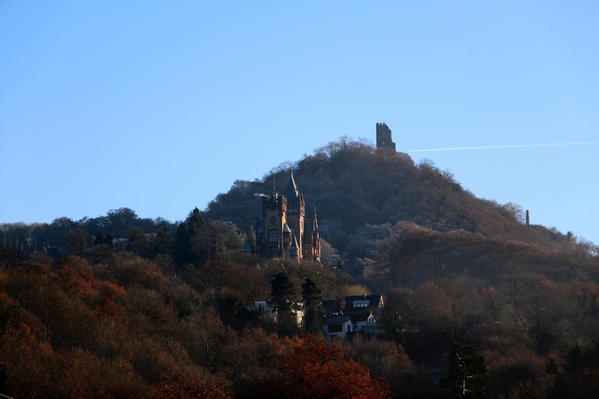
193 240
51 238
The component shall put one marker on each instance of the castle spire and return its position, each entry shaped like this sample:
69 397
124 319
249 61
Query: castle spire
292 192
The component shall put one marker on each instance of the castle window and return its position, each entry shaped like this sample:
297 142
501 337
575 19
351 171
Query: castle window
273 236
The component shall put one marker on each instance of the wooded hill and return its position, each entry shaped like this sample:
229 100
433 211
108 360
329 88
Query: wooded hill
162 308
361 195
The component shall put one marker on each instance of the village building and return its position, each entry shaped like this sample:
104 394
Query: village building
358 316
337 325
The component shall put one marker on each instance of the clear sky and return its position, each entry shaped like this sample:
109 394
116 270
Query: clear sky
159 106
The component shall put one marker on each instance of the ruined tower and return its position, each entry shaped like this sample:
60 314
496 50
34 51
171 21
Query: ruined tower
383 138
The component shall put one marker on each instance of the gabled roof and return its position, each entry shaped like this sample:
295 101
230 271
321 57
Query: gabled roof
331 306
360 316
375 301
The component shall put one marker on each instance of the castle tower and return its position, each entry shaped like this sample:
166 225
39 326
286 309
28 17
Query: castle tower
383 138
296 212
274 218
283 231
312 239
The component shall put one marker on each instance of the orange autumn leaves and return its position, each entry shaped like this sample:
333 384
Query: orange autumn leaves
316 369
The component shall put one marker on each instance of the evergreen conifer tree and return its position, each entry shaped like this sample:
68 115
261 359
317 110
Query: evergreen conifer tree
182 251
108 240
282 298
99 239
467 372
311 296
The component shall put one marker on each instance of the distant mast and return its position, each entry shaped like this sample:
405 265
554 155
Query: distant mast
384 141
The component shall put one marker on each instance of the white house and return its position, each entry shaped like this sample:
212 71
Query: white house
337 325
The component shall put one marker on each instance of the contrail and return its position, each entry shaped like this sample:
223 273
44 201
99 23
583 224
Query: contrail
493 147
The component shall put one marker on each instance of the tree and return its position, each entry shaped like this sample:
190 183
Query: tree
467 373
10 256
317 370
164 240
99 239
191 390
195 221
198 241
282 298
76 241
232 311
311 296
108 240
137 241
182 251
121 220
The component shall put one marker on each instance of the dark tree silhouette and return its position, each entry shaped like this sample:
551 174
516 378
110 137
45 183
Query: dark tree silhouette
467 372
311 296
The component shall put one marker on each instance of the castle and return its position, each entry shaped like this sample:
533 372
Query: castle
384 141
283 230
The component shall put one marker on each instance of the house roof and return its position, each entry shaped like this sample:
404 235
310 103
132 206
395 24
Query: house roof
331 306
360 316
342 318
375 301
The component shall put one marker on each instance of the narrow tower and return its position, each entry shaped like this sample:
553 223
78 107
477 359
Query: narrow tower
383 138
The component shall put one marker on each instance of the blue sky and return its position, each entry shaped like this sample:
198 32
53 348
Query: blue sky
159 106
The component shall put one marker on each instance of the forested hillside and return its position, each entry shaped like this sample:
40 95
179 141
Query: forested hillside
119 306
361 194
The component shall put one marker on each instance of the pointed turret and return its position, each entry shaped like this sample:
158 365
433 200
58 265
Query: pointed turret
292 192
294 249
315 221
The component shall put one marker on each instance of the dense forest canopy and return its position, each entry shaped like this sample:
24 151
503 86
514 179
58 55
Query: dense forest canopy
119 306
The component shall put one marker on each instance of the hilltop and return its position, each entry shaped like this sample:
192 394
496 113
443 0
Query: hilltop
361 194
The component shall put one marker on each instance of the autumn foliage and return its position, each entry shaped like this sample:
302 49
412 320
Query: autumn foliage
123 307
315 369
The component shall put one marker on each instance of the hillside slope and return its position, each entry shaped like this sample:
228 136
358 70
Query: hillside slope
354 188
